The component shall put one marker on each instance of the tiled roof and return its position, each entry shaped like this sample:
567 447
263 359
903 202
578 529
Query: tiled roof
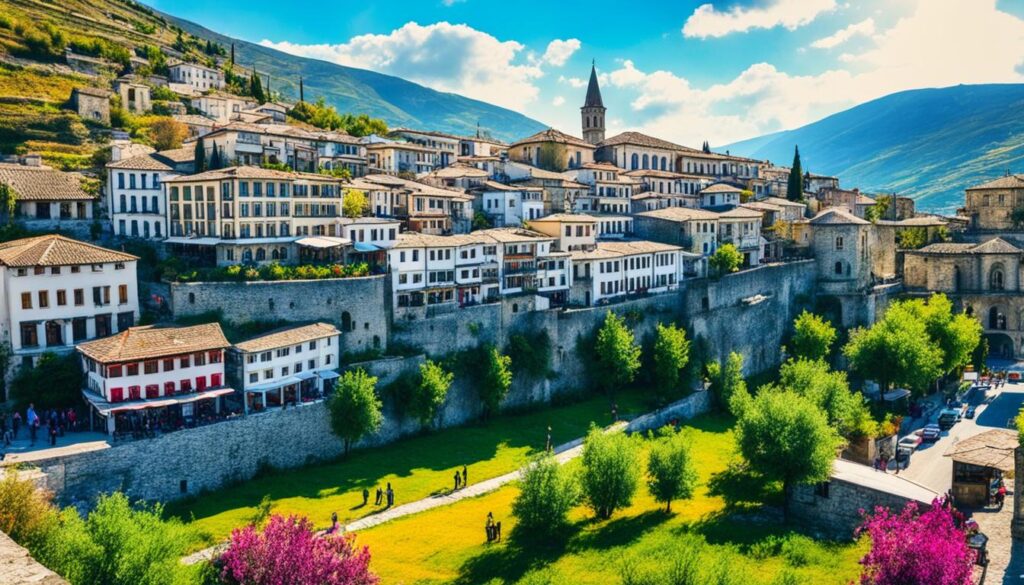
996 246
140 343
994 448
945 248
740 213
194 120
55 250
783 202
155 161
93 91
922 221
679 214
508 235
620 248
43 184
290 336
456 171
552 135
496 186
761 206
1007 182
560 217
721 188
601 166
247 172
837 216
419 240
640 139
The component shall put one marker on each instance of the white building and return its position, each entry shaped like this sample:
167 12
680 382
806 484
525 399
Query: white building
197 76
510 205
174 374
136 199
392 158
720 194
222 107
619 269
289 366
58 292
444 147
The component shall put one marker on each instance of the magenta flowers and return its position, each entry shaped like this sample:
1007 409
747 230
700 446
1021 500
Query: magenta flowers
916 548
288 552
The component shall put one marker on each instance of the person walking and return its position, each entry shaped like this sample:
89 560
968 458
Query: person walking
16 423
465 482
457 478
366 496
380 495
391 496
547 446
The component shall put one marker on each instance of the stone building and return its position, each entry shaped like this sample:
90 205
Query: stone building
984 279
553 149
47 199
91 103
593 110
135 95
851 253
990 206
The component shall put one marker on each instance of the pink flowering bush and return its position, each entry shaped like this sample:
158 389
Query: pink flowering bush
288 552
915 548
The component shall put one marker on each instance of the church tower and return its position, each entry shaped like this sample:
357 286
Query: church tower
592 111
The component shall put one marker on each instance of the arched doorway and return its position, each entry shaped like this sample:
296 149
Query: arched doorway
996 318
1000 345
346 321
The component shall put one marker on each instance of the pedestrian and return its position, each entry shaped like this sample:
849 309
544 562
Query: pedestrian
390 493
457 478
366 496
497 531
53 435
464 475
380 494
334 521
16 423
489 527
547 446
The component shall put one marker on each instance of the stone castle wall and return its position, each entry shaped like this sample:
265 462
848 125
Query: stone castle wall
355 305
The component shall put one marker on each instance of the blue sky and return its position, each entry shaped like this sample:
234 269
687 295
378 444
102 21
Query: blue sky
682 70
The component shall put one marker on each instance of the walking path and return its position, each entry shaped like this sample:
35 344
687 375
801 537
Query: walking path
563 453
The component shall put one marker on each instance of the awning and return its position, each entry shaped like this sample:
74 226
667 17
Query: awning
329 375
106 408
323 242
366 247
266 386
306 375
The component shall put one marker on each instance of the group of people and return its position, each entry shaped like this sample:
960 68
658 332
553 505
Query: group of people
493 529
462 480
57 421
383 495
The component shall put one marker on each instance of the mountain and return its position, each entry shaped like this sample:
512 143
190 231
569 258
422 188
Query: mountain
928 144
397 101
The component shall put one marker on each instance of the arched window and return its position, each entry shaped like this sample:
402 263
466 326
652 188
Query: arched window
646 162
247 255
995 278
284 253
261 254
839 267
274 255
664 164
635 163
124 203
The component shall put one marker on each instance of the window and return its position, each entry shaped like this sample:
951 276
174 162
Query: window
169 365
132 370
200 359
79 297
29 335
122 294
254 377
151 367
26 300
839 242
185 361
62 298
78 328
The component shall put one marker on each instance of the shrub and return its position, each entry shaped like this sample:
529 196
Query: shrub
54 382
547 492
354 406
287 551
24 510
431 391
496 379
531 356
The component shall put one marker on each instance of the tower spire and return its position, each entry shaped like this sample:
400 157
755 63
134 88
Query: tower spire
593 110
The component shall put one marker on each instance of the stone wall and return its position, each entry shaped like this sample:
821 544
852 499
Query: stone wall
17 567
355 305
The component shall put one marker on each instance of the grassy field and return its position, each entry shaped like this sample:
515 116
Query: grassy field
448 545
417 468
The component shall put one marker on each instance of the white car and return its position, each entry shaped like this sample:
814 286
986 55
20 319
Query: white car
910 442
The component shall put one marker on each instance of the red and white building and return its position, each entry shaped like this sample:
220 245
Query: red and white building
168 377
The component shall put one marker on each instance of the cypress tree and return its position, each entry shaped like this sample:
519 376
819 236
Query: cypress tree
795 187
302 93
215 162
200 156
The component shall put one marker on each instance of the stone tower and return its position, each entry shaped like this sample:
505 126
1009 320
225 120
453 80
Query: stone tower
592 111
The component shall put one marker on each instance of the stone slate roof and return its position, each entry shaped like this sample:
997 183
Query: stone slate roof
1007 182
140 343
721 188
43 184
640 139
55 250
556 136
946 248
155 161
93 91
989 449
679 214
993 246
996 246
837 216
593 99
560 217
286 337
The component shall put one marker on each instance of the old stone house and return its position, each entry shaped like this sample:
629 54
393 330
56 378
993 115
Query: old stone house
91 103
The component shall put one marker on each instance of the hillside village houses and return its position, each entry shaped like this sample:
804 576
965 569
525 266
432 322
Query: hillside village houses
137 202
46 199
197 76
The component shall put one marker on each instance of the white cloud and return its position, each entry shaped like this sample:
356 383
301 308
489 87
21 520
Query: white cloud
706 21
576 82
443 56
558 101
865 28
940 43
559 51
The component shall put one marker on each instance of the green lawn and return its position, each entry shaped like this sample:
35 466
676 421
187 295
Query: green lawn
417 467
448 545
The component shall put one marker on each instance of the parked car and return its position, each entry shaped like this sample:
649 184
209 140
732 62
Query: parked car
910 442
948 418
970 411
1014 376
930 433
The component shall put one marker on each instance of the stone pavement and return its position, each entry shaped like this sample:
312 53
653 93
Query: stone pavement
563 453
22 450
1006 556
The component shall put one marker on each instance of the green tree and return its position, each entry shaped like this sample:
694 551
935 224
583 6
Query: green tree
670 470
495 381
167 133
911 238
671 355
726 259
354 407
54 382
795 186
481 221
216 159
199 155
547 492
727 383
785 437
611 471
955 333
354 203
829 390
1017 217
813 336
8 202
256 88
552 156
617 352
431 391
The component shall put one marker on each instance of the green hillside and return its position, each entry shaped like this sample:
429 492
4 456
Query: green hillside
928 144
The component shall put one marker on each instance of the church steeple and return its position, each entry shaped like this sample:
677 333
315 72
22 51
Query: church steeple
592 112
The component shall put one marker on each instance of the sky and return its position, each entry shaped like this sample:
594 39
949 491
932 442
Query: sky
677 69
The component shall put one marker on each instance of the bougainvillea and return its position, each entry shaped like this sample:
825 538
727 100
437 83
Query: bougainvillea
288 552
916 548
